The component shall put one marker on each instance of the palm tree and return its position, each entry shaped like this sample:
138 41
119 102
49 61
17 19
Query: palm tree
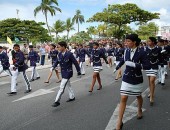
69 26
78 18
47 6
91 31
101 29
58 27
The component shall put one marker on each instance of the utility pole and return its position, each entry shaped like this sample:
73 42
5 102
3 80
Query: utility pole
17 13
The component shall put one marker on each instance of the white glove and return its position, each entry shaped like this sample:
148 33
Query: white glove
108 65
163 51
114 71
130 63
91 63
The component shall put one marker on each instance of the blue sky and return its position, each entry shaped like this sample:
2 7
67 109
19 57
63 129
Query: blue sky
87 7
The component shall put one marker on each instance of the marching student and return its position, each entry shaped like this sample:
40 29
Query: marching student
65 59
168 50
166 45
103 50
53 54
19 67
89 51
163 62
81 58
34 59
4 62
96 56
25 52
132 84
119 53
153 53
110 52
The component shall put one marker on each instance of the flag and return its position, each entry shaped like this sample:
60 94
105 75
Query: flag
9 40
16 40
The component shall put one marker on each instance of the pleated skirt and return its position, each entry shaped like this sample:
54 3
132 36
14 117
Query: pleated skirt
130 89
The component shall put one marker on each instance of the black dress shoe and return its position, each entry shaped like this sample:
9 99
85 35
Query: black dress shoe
139 117
99 88
28 91
162 84
56 104
70 100
151 103
12 93
149 96
31 80
58 81
46 82
37 78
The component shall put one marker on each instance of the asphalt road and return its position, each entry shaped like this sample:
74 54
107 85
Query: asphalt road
87 112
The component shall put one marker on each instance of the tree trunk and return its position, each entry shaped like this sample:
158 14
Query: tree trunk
67 34
78 27
56 35
47 23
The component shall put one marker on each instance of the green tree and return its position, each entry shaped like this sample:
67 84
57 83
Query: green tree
120 15
146 30
80 37
112 31
58 27
47 6
69 26
91 31
24 30
78 18
102 30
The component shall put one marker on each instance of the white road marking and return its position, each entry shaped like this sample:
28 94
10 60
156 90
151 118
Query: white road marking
35 94
130 112
41 92
4 82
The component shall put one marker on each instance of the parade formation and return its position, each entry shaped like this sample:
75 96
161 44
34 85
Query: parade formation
152 58
112 53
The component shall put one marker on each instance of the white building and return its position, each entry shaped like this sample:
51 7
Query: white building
164 32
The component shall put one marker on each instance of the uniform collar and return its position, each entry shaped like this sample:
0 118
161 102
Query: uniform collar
63 53
151 48
133 50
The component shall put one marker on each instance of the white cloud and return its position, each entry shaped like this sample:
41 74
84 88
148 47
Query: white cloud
146 4
27 13
164 17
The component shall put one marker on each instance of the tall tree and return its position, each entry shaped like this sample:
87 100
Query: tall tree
80 37
91 31
146 30
120 15
58 27
47 6
78 18
24 30
69 26
102 29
